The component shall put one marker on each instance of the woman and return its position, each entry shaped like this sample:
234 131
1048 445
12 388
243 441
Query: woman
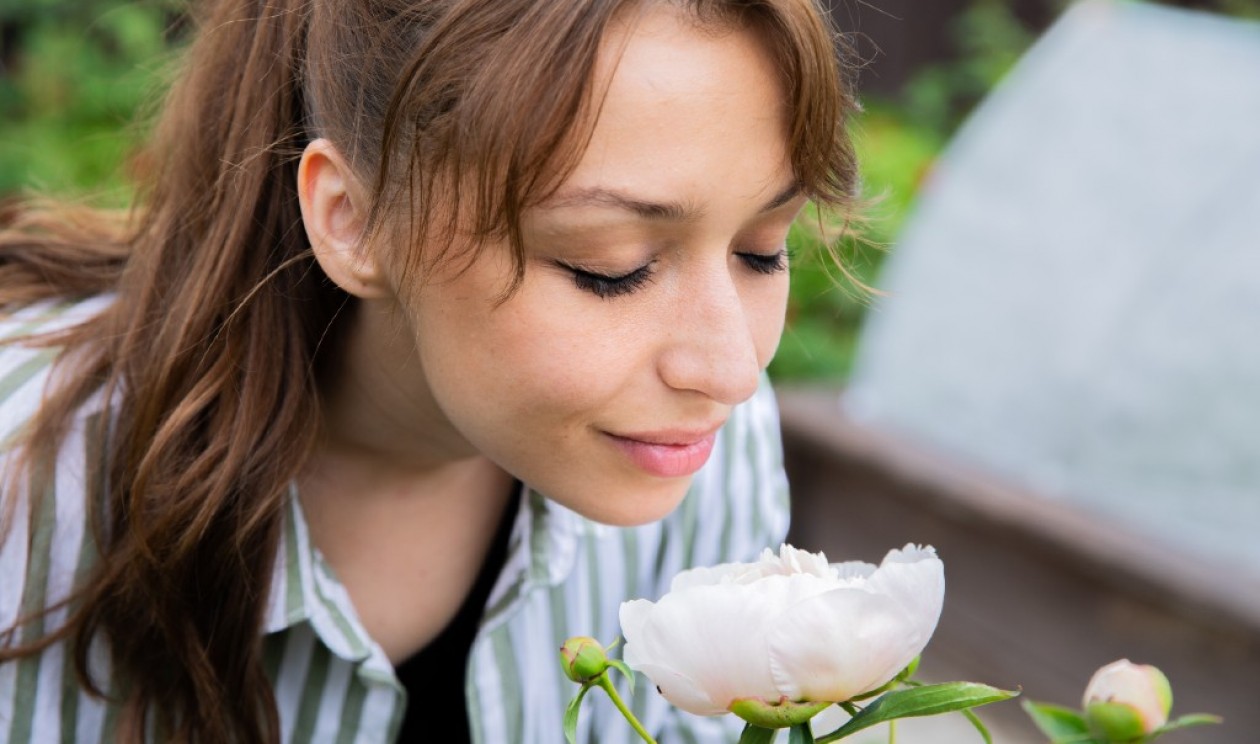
431 316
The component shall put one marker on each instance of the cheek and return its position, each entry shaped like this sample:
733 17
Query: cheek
766 310
530 359
553 370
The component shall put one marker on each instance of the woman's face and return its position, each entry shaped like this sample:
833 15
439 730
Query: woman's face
655 284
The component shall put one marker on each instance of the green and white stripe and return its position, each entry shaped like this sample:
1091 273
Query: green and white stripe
564 576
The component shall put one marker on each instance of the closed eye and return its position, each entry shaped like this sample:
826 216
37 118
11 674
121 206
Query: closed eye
766 263
607 287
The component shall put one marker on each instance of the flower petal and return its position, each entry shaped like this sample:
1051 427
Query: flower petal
704 576
794 560
915 579
853 573
842 643
868 633
713 637
680 690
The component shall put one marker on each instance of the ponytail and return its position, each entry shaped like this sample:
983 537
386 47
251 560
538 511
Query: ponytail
207 355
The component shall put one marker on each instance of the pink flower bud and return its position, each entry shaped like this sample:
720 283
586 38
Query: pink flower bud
1126 701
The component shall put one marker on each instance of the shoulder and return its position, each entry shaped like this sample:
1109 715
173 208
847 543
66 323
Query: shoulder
26 362
42 504
49 316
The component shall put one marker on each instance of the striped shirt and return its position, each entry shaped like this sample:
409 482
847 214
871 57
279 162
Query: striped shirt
564 576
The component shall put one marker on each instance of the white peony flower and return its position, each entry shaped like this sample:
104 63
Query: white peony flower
788 627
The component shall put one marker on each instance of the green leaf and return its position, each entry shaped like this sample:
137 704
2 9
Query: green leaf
928 700
621 667
1055 721
1192 719
757 735
801 734
1186 721
571 715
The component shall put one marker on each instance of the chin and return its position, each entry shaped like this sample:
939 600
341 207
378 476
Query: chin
626 505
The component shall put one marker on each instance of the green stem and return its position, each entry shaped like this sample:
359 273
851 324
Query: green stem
892 732
608 687
849 708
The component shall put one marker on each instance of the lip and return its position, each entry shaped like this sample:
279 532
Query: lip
669 453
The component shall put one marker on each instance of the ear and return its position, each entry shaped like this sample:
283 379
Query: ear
334 214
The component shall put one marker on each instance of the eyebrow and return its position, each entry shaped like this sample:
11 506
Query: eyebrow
670 211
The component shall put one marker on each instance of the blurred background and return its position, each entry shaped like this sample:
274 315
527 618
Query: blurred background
1056 380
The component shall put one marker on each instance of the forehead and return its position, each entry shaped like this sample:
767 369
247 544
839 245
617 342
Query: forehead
683 106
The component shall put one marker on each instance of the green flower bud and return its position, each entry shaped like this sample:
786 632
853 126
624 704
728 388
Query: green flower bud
783 714
583 659
1115 722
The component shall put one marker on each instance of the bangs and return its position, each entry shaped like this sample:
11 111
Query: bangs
495 108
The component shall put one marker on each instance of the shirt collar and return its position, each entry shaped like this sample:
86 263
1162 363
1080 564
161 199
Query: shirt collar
542 550
304 589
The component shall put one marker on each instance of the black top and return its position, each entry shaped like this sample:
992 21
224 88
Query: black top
434 677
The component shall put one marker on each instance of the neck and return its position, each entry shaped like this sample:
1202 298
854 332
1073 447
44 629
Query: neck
406 545
377 406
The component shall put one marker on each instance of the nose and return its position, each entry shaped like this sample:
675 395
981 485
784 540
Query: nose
711 345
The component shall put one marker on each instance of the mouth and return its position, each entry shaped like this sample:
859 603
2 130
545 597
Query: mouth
667 454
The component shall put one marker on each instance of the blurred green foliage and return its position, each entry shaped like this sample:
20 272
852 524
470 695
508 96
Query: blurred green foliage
826 308
74 74
989 38
1240 8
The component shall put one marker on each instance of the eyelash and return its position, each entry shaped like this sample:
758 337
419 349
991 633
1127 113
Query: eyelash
607 287
767 264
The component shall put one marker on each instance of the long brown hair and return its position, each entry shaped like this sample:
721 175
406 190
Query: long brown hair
210 350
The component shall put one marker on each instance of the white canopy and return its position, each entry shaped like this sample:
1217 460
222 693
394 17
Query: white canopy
1076 302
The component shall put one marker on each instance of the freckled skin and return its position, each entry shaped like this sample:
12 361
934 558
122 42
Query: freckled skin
538 383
